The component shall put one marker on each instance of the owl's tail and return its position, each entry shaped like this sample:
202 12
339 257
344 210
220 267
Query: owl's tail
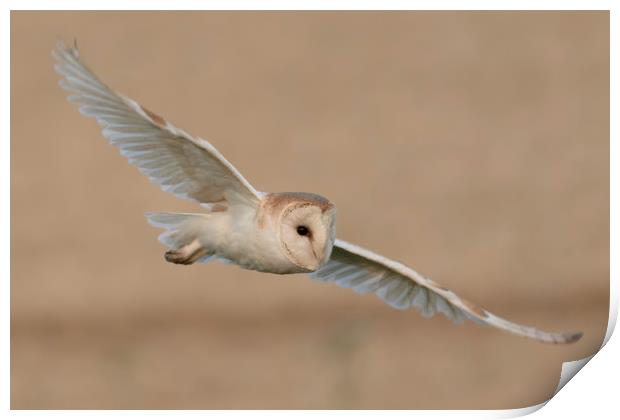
180 236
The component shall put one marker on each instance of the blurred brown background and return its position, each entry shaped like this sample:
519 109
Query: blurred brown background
473 146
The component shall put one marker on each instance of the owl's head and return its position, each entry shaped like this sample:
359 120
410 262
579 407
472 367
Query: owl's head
306 229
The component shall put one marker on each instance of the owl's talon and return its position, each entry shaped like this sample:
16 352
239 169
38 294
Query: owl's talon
186 255
176 257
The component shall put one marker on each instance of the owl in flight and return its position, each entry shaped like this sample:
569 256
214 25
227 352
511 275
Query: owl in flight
281 233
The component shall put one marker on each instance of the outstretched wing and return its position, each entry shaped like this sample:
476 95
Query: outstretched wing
400 286
185 166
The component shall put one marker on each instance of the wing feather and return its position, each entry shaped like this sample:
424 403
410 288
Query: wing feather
186 166
351 266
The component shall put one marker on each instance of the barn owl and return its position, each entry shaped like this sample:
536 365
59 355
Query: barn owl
281 233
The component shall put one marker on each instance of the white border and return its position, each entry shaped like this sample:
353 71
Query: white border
594 392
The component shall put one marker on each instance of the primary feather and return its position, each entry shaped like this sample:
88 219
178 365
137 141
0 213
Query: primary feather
402 287
188 167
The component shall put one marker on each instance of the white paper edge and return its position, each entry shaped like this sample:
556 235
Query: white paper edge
569 369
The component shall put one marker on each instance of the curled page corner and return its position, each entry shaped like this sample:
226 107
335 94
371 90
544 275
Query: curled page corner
570 369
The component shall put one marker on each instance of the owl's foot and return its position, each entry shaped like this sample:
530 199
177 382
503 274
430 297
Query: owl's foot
186 255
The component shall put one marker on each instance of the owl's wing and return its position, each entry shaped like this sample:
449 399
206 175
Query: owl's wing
186 166
364 271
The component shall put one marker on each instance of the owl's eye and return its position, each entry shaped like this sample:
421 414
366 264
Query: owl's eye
303 231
